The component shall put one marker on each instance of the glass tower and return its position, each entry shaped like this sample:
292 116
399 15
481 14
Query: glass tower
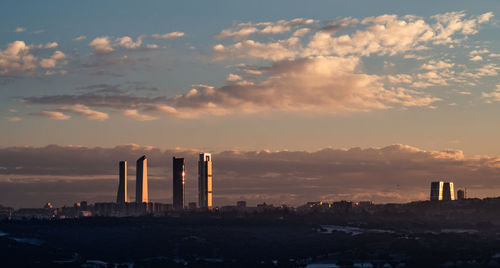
141 180
178 182
205 181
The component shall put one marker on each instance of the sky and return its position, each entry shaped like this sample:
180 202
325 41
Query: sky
298 100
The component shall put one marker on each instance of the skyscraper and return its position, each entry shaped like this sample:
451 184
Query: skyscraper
448 191
178 182
141 180
436 190
462 194
121 196
442 191
205 181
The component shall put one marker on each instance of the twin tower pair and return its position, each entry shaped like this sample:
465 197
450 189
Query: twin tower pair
178 181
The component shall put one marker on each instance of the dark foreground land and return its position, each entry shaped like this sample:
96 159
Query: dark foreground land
316 239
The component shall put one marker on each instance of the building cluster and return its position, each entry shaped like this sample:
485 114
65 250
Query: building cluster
142 203
444 191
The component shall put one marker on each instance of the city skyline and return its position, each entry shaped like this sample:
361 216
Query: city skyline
309 175
283 133
297 101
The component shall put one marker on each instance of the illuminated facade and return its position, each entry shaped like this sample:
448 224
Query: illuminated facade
436 190
205 181
141 180
121 196
442 191
178 182
448 191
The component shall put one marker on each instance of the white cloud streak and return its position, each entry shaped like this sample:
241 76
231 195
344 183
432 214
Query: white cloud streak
85 111
55 115
169 36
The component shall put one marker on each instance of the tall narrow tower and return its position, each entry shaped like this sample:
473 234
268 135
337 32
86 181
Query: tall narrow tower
448 191
141 180
205 181
436 190
178 182
121 196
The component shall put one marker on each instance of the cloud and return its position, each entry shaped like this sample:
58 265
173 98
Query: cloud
80 38
323 84
85 111
17 59
318 84
339 24
490 97
53 115
436 65
241 31
129 43
301 32
134 114
169 36
101 45
319 69
233 78
282 49
390 34
104 63
386 34
101 97
451 23
490 69
433 78
53 60
44 46
395 173
476 58
104 45
51 45
19 29
413 56
485 17
475 55
382 35
14 119
479 51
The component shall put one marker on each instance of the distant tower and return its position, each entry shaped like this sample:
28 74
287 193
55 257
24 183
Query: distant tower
178 182
205 181
436 190
121 196
448 191
141 180
462 194
442 191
